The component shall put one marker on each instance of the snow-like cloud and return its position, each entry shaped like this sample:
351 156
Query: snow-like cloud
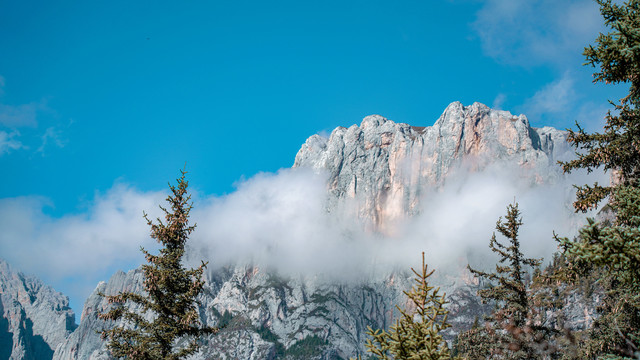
109 232
76 251
280 221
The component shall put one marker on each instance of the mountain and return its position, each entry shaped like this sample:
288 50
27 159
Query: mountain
264 316
384 168
35 318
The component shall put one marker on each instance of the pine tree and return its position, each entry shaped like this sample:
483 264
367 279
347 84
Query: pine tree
475 343
617 149
416 334
613 252
612 249
509 326
168 305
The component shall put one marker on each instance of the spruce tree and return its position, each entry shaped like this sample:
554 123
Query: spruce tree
617 149
613 248
509 327
168 306
416 334
475 343
611 251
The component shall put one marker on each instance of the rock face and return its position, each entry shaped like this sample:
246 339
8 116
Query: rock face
384 166
35 318
263 316
85 341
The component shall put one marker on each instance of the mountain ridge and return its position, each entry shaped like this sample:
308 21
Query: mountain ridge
385 166
36 317
382 166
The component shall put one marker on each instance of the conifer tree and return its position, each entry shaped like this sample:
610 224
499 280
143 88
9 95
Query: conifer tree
416 334
508 327
617 149
475 343
613 251
612 248
168 304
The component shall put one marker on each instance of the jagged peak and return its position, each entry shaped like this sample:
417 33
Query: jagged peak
373 120
454 111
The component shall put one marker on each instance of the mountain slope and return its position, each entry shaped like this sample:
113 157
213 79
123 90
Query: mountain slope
265 316
35 318
386 166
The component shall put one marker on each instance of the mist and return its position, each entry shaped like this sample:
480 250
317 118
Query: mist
280 221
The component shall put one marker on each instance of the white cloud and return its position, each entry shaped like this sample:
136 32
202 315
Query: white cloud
555 98
51 135
14 116
8 143
280 221
88 245
559 102
27 115
591 116
499 101
527 33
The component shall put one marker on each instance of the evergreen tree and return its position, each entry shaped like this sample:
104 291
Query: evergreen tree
617 149
475 343
416 334
613 252
509 327
612 249
168 305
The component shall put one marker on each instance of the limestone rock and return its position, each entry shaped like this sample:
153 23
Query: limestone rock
85 342
385 166
34 319
265 316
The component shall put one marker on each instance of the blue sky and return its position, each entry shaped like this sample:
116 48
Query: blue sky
105 99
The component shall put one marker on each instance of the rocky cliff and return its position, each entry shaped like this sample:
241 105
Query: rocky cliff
385 166
262 315
34 319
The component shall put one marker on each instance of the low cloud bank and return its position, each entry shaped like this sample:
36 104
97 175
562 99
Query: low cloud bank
74 252
280 221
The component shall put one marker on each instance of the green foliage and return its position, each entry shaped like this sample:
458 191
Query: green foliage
612 249
168 305
615 248
618 147
416 334
267 335
225 319
308 347
509 329
475 343
305 348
